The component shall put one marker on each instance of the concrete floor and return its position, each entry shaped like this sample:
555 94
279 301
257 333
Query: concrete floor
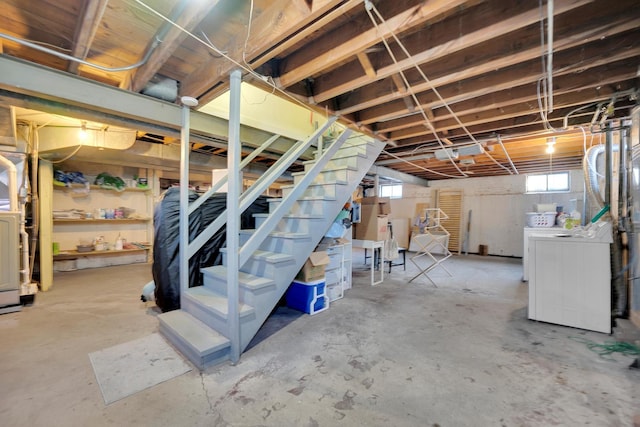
398 354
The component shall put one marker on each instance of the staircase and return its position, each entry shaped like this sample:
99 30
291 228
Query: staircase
200 329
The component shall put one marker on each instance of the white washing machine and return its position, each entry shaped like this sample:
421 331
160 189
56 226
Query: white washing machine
528 232
570 278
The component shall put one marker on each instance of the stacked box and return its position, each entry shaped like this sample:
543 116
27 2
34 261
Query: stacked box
313 268
374 218
309 297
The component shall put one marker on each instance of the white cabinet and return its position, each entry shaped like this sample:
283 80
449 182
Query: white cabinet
338 272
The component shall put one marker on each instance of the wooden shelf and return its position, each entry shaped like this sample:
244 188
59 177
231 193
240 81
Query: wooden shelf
99 188
99 221
73 254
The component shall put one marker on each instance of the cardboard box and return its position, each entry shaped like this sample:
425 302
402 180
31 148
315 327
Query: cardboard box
313 268
374 228
383 204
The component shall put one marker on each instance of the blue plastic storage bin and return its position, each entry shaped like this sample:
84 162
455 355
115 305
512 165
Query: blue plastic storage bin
309 297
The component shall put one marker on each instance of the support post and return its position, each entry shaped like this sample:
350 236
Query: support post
184 194
233 215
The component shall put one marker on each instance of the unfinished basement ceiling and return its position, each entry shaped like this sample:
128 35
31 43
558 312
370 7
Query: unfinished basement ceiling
466 75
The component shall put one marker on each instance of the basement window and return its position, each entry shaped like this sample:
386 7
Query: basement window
548 183
393 191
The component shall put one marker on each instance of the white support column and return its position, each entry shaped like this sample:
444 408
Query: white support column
233 215
185 148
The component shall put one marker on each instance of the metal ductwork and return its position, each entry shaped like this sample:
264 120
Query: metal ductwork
589 168
161 88
7 127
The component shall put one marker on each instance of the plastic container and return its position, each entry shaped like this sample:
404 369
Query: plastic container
309 297
546 219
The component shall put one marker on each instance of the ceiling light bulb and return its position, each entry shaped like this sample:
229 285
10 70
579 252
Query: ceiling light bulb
83 131
551 142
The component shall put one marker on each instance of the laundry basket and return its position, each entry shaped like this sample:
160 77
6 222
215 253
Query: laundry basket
537 219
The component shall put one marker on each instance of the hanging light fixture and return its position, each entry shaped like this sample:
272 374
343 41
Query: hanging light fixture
83 134
551 142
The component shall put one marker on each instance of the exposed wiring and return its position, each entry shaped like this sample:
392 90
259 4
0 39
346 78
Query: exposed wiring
542 84
507 154
65 158
418 166
370 7
246 40
549 56
584 147
52 46
204 35
35 46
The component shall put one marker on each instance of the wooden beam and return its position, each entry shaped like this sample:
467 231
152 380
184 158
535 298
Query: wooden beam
505 22
188 16
397 80
513 126
86 27
529 72
366 64
583 29
276 26
568 93
326 58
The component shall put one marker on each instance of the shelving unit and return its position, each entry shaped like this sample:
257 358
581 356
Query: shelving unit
99 221
71 254
338 272
70 232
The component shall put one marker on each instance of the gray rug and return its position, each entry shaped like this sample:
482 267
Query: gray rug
131 367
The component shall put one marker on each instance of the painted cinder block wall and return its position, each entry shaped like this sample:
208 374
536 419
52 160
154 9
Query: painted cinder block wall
498 204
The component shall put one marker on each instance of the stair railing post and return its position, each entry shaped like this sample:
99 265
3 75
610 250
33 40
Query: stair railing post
233 215
185 148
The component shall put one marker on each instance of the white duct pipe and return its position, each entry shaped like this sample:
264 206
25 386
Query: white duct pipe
591 174
12 183
24 237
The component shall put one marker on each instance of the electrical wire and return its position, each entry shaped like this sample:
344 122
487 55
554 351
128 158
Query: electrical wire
370 7
543 98
246 40
65 158
418 166
211 46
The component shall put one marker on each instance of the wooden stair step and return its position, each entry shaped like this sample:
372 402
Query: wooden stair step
216 302
201 338
246 280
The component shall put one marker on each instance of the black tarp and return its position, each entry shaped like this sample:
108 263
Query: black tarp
166 260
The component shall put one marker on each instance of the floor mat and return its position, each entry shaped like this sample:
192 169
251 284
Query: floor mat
131 367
